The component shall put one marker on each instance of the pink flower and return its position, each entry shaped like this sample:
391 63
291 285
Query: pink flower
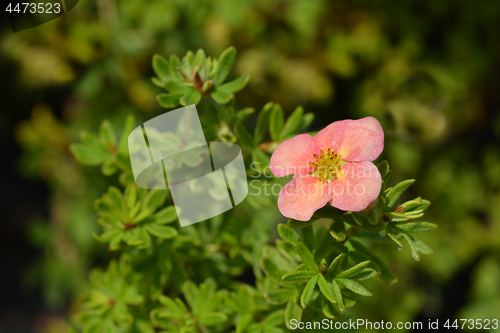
334 166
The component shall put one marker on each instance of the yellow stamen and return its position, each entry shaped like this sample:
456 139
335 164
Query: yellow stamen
327 165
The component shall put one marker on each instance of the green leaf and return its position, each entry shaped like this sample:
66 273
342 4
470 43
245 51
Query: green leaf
243 114
235 85
244 137
114 196
166 215
153 199
383 167
132 237
398 217
382 203
293 123
337 230
338 295
243 323
168 100
355 287
422 247
323 246
221 96
174 65
288 233
142 215
114 243
161 231
107 236
276 122
126 178
88 155
191 97
328 309
307 119
416 246
187 63
366 274
132 211
414 214
397 190
349 302
176 87
143 236
160 66
212 318
200 58
354 271
372 218
413 249
386 274
274 319
287 246
358 218
292 312
337 264
261 158
326 289
144 326
307 257
308 291
307 235
262 122
224 64
423 206
172 305
157 82
127 129
190 291
294 224
298 275
279 296
108 168
130 196
409 205
416 227
395 239
349 219
272 270
277 257
107 133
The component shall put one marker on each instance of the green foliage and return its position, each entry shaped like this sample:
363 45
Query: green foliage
104 149
204 303
195 76
110 304
425 76
166 278
132 217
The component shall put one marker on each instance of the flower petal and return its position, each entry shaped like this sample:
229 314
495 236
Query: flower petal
324 137
293 156
357 185
359 140
301 197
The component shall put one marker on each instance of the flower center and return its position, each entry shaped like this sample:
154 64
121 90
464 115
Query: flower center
327 165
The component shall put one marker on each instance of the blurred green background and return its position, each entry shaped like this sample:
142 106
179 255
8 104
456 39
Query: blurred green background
428 70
